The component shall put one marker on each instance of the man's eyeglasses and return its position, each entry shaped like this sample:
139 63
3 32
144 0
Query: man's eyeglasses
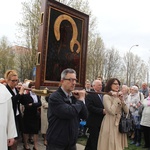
14 80
70 79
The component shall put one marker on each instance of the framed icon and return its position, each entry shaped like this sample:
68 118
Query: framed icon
62 44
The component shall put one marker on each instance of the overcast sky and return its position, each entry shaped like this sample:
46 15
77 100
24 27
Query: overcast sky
121 23
124 23
9 16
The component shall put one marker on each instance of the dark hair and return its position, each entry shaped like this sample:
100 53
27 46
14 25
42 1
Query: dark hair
31 84
109 84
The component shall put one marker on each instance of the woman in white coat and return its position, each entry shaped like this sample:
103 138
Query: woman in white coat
134 102
7 123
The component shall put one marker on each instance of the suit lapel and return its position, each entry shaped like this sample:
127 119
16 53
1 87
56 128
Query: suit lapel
10 90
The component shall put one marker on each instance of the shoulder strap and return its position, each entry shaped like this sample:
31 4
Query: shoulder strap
140 95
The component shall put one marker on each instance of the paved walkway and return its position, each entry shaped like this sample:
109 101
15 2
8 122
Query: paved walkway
41 146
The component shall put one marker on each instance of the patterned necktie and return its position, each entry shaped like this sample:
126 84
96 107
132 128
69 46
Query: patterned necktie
100 96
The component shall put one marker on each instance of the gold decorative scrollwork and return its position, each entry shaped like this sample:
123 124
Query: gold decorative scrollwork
75 31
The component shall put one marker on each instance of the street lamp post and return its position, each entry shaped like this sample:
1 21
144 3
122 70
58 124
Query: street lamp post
129 64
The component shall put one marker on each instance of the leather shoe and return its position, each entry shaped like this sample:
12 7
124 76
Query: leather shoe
34 148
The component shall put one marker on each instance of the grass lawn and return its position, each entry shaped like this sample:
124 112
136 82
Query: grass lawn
82 140
133 147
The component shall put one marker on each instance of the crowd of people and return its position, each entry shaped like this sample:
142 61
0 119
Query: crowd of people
58 116
21 113
132 100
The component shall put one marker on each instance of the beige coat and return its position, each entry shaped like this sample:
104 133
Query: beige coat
44 121
110 138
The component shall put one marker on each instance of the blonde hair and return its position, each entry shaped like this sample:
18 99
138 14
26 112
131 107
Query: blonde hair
9 74
87 82
126 87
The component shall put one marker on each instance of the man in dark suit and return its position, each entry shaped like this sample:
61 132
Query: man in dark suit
65 108
96 113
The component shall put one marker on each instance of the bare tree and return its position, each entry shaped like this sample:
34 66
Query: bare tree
29 27
21 61
6 56
112 63
95 58
135 69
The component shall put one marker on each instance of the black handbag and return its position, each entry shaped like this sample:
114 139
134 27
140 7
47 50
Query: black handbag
126 123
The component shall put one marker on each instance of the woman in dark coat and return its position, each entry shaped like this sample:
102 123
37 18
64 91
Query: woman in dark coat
12 79
31 118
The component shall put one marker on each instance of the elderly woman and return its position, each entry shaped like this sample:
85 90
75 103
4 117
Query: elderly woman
110 138
125 93
145 121
134 102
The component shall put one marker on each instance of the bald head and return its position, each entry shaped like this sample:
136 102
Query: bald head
97 85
